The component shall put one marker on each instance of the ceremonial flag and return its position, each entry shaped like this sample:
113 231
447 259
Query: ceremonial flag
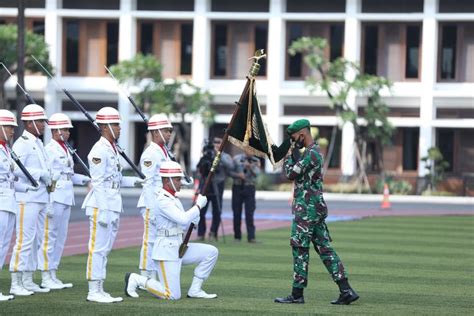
250 133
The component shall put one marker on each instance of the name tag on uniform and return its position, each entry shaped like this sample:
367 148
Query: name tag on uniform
96 160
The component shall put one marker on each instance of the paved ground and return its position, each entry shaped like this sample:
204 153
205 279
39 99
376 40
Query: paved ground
273 211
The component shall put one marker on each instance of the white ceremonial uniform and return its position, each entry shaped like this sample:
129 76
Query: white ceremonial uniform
8 205
150 163
61 200
32 205
103 205
171 218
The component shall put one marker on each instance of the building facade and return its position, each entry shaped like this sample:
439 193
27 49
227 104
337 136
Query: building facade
426 47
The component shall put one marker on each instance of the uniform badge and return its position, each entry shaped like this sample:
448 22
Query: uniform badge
96 160
24 137
147 163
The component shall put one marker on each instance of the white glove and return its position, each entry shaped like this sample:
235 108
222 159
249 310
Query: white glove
102 218
201 201
187 183
196 220
138 183
56 176
86 180
49 211
32 188
45 177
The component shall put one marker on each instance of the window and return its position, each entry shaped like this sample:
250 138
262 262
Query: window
295 63
448 52
240 6
233 44
165 5
171 42
72 47
261 39
92 4
445 143
220 49
392 50
89 45
28 3
112 43
412 51
411 137
336 41
392 6
146 38
370 49
38 27
457 6
186 48
307 6
333 33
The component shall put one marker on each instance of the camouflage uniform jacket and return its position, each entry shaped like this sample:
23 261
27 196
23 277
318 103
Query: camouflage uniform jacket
308 201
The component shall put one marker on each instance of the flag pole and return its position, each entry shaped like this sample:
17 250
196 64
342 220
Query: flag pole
253 72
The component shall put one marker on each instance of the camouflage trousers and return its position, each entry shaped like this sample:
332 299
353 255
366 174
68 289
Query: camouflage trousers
303 234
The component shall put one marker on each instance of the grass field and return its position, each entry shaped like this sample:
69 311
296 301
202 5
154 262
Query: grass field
399 266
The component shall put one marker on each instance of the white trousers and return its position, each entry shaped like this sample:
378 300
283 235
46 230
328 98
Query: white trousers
7 223
149 235
103 228
29 229
54 237
169 272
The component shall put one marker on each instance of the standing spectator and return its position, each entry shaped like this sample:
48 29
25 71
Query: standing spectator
247 169
216 189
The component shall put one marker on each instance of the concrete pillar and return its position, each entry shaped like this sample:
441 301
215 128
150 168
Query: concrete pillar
53 38
127 49
200 71
429 55
352 43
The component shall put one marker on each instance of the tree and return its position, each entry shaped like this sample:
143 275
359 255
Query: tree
34 45
435 166
338 79
171 96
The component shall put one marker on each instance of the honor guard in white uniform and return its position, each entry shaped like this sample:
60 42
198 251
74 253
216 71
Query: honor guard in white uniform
103 204
61 200
153 156
31 214
171 219
7 190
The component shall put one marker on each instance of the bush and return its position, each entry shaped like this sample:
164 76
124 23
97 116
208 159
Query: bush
437 193
396 187
345 187
264 182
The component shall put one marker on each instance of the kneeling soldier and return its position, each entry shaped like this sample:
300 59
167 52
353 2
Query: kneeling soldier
171 218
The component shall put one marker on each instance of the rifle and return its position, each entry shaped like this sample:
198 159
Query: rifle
259 54
12 153
142 115
71 150
90 119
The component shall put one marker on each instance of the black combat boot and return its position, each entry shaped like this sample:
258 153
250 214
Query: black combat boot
296 297
347 295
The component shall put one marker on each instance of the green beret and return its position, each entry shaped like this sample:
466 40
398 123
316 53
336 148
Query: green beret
297 126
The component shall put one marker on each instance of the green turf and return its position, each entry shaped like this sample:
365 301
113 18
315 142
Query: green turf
399 266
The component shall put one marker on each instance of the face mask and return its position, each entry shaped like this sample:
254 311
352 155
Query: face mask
299 143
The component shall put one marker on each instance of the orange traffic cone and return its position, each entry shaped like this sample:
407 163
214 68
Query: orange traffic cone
385 202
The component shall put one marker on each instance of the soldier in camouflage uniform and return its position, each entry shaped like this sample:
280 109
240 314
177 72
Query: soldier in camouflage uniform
310 212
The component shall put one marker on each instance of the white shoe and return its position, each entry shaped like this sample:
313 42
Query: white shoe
48 282
132 282
95 295
6 297
58 281
30 285
17 285
195 290
101 290
147 274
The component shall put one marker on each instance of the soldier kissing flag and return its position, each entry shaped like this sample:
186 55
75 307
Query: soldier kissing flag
250 133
